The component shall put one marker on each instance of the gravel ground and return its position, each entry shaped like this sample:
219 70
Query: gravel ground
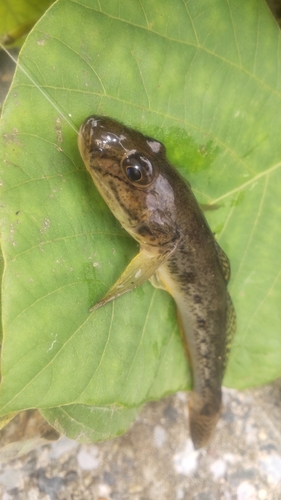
155 459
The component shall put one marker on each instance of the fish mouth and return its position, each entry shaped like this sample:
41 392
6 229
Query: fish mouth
100 137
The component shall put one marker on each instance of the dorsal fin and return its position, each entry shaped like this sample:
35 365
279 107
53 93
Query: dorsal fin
230 328
224 261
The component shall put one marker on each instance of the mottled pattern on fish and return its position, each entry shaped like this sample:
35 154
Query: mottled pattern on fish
178 252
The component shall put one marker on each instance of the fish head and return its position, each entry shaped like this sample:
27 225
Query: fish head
131 173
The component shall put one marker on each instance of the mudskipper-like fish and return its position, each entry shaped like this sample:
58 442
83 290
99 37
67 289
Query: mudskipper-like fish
178 252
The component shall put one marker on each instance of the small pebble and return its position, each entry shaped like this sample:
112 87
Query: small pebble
62 446
160 436
185 462
182 396
6 496
271 466
218 469
10 479
88 459
262 435
104 490
49 485
246 491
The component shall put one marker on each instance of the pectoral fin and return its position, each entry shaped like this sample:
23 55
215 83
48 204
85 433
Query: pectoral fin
140 269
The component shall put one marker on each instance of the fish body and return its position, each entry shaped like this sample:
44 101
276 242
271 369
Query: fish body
178 252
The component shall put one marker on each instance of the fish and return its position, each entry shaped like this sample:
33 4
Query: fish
178 253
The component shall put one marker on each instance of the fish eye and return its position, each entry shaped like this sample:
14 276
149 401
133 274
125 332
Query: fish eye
134 173
138 169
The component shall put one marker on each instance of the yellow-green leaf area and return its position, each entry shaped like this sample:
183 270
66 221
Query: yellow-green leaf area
17 17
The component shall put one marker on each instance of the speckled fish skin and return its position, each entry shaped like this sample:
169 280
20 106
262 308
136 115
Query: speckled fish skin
178 252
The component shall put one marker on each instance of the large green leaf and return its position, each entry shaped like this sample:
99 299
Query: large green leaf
201 76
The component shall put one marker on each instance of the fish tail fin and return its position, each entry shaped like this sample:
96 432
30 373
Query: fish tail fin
203 417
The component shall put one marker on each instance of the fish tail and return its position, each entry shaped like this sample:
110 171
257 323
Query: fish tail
203 417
